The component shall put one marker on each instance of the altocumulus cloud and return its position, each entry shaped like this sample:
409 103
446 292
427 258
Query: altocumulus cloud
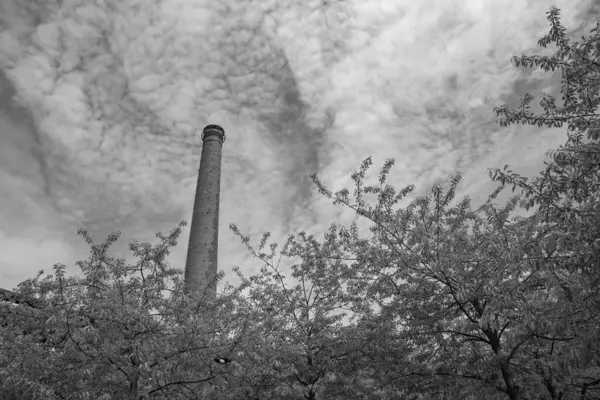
102 103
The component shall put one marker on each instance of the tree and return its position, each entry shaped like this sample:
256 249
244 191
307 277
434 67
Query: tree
567 191
113 333
463 290
428 279
298 346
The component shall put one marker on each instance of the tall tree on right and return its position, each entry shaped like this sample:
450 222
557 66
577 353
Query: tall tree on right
567 195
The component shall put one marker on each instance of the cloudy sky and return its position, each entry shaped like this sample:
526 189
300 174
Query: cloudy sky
102 103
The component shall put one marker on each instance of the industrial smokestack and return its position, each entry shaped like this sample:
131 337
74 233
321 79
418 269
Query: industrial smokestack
201 263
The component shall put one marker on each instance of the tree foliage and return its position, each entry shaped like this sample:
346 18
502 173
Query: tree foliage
113 333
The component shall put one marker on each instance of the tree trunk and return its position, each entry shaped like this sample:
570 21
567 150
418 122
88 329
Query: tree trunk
135 377
511 388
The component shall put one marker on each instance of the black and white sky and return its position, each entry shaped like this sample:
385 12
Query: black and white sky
102 103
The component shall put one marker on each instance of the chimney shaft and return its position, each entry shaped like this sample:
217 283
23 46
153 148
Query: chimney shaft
201 263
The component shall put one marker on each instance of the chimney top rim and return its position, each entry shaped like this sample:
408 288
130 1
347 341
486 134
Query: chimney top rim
213 129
